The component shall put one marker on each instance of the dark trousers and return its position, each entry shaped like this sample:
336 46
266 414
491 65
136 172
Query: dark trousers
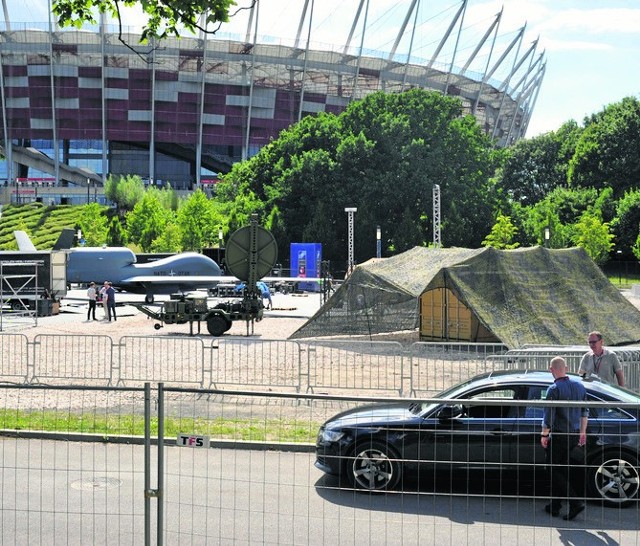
92 310
111 309
566 465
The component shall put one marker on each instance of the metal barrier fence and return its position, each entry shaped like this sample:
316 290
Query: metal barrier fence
134 465
319 366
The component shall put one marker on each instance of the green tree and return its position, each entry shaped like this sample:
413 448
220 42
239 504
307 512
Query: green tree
147 220
534 167
170 240
197 222
116 235
162 18
607 151
592 234
502 234
382 155
124 191
626 224
636 248
93 223
562 208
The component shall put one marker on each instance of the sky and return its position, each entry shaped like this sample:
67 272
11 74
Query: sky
591 47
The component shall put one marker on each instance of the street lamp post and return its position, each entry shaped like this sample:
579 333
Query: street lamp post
220 239
378 242
619 253
350 260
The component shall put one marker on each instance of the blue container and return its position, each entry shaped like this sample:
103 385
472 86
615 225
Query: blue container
306 260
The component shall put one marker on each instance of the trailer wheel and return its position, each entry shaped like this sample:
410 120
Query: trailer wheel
148 298
157 326
217 325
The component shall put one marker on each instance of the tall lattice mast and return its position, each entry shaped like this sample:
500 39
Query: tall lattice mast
351 260
437 243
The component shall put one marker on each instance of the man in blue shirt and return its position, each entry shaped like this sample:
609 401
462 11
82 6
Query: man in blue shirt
265 293
564 435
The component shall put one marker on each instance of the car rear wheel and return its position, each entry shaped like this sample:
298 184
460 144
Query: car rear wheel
615 479
375 467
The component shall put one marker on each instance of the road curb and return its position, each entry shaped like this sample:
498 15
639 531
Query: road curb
139 440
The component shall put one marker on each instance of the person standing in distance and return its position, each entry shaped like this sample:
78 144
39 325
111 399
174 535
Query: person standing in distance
111 301
563 436
103 298
601 363
91 294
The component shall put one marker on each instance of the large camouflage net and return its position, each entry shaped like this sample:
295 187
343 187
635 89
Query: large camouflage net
524 297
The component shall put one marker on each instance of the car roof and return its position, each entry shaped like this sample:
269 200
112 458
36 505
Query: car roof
535 377
509 376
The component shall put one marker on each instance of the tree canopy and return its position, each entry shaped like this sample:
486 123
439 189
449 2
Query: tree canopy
382 155
607 153
536 166
162 18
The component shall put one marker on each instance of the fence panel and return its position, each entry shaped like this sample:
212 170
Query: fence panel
257 482
538 358
14 358
173 360
81 359
73 469
255 363
355 365
62 483
435 367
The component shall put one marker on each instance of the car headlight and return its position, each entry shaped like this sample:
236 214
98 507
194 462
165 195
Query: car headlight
328 435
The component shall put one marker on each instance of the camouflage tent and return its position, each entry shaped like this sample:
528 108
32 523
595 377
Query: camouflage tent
518 297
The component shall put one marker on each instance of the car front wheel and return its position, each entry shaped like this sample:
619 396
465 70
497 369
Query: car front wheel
375 467
615 479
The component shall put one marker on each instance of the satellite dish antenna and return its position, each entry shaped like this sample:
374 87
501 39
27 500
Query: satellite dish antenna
251 253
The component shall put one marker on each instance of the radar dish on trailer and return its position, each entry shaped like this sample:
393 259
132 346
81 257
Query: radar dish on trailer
251 254
252 251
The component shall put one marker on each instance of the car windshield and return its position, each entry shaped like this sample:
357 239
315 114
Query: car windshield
619 393
596 388
450 393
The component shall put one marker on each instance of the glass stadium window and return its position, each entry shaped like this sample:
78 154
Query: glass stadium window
85 147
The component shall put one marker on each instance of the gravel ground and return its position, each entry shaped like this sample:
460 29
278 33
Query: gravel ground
72 358
290 312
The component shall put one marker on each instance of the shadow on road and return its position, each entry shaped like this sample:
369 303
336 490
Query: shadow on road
486 499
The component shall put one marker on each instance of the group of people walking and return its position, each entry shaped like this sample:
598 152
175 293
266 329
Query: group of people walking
564 429
106 295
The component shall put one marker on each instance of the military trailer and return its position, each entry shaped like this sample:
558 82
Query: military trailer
190 308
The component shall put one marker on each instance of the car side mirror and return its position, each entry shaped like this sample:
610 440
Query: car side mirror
446 413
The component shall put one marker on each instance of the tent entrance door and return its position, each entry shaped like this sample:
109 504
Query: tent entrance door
444 316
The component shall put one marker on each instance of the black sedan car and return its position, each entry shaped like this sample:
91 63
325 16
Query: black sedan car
370 447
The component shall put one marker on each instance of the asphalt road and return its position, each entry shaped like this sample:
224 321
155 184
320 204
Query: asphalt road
93 493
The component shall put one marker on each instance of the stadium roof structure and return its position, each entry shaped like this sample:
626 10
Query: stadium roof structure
530 296
198 97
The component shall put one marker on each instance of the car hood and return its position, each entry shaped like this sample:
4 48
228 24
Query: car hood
381 414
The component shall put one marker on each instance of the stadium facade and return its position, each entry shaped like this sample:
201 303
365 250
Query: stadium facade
80 105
